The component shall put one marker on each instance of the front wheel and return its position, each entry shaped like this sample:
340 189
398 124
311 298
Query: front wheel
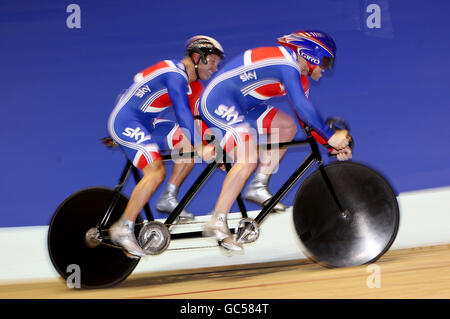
99 265
359 234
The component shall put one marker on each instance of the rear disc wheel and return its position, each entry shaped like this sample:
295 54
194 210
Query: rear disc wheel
72 239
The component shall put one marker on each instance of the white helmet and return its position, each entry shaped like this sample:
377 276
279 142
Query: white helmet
204 46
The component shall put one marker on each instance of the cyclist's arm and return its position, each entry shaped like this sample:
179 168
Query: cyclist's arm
194 94
302 106
176 87
317 137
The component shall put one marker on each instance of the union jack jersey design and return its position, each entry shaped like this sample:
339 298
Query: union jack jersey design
137 122
156 88
259 118
249 81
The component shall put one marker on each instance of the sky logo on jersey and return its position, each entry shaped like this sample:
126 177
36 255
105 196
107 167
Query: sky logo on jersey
229 114
142 90
137 134
248 76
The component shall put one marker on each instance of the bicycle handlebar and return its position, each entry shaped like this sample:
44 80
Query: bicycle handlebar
336 123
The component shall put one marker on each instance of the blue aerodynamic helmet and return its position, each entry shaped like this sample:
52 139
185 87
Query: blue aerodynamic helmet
316 47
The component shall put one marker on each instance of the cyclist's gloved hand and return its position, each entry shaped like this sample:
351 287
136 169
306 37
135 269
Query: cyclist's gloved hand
340 139
343 154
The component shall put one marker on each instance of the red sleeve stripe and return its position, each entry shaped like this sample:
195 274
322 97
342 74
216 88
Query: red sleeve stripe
153 68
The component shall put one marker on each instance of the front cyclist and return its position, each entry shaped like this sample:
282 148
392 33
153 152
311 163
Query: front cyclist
234 107
137 125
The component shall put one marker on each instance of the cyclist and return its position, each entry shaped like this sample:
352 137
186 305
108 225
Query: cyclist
137 125
234 107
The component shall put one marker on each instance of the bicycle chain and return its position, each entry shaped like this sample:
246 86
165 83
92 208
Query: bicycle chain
175 224
173 249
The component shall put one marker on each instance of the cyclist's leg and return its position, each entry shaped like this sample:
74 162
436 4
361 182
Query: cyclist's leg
245 157
122 231
135 140
236 138
279 127
245 161
153 176
169 136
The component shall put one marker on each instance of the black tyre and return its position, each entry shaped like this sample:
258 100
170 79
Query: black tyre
101 266
363 233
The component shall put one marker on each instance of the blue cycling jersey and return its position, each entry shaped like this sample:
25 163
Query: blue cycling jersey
248 81
155 89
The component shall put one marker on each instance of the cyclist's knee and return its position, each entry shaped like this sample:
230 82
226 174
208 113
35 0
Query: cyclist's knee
246 152
247 157
251 166
284 125
291 126
156 172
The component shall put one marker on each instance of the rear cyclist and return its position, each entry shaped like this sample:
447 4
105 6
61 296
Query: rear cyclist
137 126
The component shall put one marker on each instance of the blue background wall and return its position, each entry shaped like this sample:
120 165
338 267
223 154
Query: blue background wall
58 86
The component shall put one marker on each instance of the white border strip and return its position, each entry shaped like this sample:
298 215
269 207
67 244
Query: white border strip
425 221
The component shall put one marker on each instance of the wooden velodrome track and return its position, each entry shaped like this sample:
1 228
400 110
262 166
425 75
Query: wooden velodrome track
410 273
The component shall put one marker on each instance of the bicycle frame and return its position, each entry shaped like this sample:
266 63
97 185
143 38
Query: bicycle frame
327 237
312 158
